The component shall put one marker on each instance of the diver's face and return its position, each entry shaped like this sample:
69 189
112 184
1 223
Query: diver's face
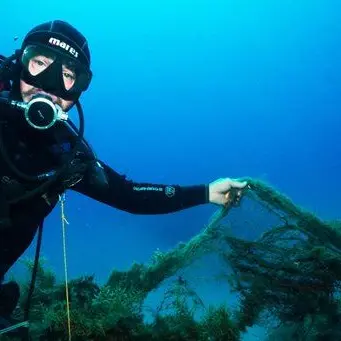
37 65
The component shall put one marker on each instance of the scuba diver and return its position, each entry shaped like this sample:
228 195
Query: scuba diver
42 153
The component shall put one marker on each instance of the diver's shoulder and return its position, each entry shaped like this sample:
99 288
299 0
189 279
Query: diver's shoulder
5 109
4 94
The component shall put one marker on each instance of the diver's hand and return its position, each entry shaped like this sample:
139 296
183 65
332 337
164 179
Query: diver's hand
226 191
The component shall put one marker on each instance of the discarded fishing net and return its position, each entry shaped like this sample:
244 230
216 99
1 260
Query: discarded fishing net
292 272
287 277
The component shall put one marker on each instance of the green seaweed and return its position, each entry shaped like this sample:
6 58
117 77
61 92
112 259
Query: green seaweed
287 279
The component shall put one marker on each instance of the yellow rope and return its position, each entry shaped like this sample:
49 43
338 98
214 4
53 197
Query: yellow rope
63 218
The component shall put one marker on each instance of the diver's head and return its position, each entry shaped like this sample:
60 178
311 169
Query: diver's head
55 60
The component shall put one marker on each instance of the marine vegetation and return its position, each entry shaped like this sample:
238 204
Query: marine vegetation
287 279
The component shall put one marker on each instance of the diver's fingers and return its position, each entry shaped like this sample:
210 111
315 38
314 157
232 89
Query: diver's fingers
238 184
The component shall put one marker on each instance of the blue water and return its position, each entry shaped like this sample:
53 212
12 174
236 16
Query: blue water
186 92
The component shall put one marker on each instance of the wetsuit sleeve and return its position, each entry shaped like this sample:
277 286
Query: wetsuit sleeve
105 185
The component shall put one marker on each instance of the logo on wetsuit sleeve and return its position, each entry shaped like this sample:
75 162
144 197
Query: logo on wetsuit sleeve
170 191
143 188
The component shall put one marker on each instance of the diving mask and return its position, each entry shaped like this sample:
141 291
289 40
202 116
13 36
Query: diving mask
54 72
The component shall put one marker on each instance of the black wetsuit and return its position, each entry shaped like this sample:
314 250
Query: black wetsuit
34 152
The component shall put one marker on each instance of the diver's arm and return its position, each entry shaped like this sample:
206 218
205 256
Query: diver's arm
107 186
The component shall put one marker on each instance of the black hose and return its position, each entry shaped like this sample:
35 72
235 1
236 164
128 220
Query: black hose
26 336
